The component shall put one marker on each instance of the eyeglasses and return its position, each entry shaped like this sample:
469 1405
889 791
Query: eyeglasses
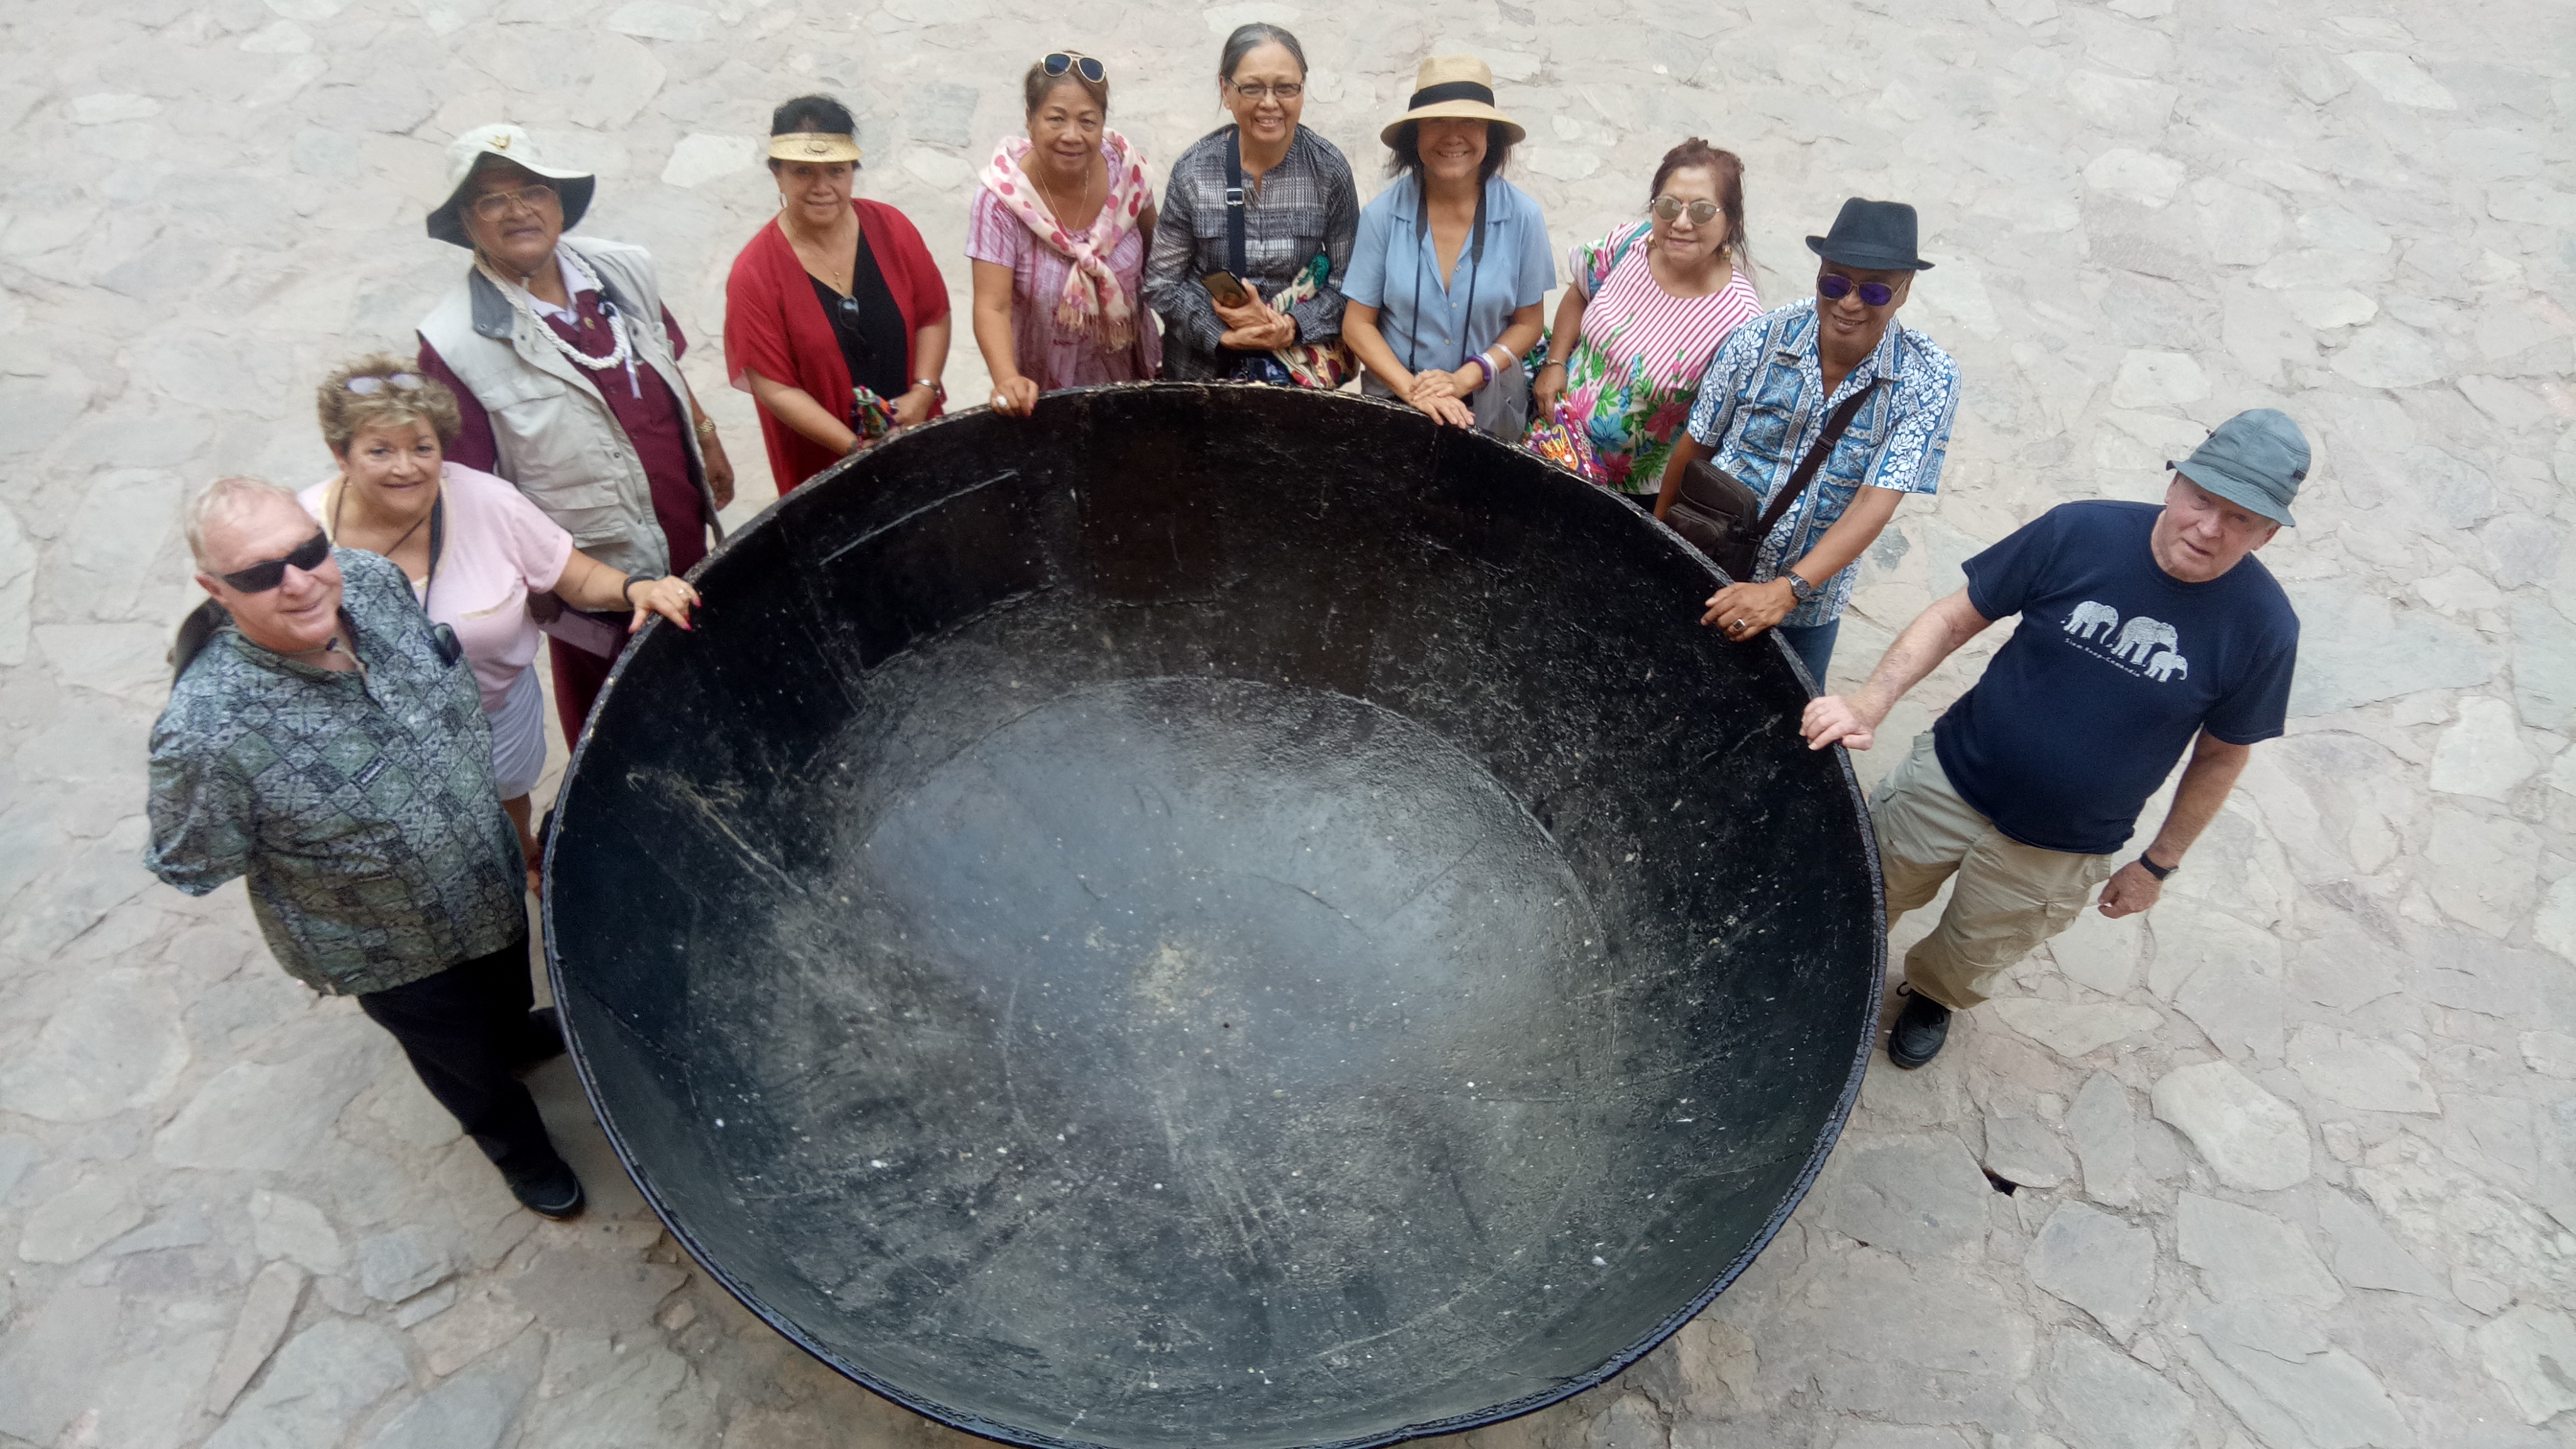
1058 62
267 574
1670 208
1834 286
1257 92
494 205
370 386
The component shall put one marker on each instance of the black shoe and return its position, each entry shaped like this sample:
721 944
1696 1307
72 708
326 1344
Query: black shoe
1919 1031
542 1042
553 1193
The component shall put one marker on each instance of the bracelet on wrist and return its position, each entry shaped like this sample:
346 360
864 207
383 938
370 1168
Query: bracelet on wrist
1484 369
2160 872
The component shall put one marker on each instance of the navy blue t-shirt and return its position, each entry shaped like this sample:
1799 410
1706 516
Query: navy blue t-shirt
2115 667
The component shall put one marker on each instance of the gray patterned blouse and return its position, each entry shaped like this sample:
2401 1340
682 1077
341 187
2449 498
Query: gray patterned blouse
1305 205
360 805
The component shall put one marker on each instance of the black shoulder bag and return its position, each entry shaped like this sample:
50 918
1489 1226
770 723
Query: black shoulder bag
1723 518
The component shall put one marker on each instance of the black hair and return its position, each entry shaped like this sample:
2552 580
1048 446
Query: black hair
1404 153
1248 38
1035 87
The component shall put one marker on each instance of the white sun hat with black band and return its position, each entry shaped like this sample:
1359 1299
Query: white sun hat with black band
1453 85
511 144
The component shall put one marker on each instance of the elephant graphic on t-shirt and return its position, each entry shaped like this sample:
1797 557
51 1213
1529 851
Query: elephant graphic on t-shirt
2140 636
2089 616
2166 665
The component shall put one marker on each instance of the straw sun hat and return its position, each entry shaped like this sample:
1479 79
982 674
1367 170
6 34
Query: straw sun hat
1454 85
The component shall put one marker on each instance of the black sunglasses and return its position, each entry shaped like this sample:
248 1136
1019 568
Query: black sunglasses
1834 286
267 574
1058 62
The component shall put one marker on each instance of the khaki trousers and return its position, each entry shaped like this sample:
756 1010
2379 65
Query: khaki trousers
2009 896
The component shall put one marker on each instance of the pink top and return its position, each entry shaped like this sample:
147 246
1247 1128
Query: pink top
1050 355
498 550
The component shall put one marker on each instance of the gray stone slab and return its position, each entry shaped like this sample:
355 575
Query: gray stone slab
2105 1136
266 1310
2250 1138
2112 1401
477 1409
2244 1253
2531 1352
322 1383
2368 1255
2288 1383
1918 1197
262 1116
2096 1262
289 1227
79 1220
393 1266
2026 1152
50 1361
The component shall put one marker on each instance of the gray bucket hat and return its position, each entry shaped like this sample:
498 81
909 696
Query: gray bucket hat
2257 458
511 144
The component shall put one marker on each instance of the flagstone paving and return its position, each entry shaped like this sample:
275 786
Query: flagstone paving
2297 1153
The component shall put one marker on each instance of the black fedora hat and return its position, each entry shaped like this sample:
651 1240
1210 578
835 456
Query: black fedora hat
1875 235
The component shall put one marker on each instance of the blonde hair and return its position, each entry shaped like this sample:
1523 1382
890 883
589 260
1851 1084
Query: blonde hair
222 499
421 399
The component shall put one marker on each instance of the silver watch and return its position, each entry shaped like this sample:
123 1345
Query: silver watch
1799 588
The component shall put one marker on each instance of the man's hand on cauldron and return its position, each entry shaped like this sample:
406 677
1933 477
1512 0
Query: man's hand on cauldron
1831 718
1743 611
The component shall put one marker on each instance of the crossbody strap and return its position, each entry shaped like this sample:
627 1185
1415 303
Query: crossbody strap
1234 216
1814 461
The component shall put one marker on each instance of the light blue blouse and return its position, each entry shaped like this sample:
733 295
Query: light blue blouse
1394 263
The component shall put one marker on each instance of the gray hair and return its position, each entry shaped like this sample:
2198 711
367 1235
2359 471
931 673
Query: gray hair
222 499
1248 38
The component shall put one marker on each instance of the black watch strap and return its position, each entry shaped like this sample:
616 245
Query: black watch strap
2150 867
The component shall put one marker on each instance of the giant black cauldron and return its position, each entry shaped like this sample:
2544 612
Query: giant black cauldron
1213 916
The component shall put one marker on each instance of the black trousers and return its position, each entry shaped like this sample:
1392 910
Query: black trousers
465 1030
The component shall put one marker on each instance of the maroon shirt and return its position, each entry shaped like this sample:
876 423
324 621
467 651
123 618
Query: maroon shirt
654 420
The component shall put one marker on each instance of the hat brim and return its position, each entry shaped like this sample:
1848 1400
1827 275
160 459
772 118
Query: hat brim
1513 134
1869 258
572 188
2243 495
814 146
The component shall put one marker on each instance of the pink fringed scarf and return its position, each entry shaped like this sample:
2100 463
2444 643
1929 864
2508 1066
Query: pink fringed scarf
1093 301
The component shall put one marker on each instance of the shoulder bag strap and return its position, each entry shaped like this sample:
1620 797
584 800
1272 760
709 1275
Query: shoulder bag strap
1234 220
1814 461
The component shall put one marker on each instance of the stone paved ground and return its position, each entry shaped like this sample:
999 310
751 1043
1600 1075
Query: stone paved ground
2297 1154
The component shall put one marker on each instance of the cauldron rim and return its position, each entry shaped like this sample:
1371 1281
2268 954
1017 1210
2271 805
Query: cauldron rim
1827 1138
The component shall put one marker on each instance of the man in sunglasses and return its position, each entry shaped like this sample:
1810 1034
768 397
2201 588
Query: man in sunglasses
1832 402
327 743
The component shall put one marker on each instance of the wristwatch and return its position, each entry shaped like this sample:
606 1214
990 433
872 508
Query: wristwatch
1799 588
2153 869
938 391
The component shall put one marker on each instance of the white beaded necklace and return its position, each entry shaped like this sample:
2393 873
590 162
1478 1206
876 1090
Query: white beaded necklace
619 356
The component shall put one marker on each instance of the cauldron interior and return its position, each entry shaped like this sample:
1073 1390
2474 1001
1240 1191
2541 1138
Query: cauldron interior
1213 916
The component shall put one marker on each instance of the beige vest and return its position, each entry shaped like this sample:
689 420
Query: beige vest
557 438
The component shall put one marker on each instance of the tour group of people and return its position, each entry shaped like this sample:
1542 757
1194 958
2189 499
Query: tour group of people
358 728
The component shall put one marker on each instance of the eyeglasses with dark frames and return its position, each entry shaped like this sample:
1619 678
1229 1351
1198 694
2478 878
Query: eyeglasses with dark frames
494 205
267 574
1834 286
1060 61
1670 208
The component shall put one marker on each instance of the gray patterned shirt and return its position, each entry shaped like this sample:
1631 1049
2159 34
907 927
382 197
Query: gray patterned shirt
360 805
1306 204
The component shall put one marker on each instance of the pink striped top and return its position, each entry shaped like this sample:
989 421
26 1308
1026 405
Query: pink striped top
1637 368
1049 354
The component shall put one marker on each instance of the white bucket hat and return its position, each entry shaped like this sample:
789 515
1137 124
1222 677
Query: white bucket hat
517 147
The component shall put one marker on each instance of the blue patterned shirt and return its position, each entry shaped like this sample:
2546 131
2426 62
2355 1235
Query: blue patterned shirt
1763 403
360 805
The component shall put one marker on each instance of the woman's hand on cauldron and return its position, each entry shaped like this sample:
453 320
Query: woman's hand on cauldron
1831 718
914 406
1742 611
1015 396
669 596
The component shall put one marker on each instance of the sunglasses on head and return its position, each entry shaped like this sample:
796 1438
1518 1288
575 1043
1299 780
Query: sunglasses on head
1834 286
267 574
1058 62
370 386
1670 208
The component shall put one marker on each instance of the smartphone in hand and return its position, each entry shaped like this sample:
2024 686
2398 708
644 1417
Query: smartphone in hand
1227 291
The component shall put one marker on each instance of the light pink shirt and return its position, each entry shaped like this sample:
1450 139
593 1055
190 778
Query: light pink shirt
498 550
1048 353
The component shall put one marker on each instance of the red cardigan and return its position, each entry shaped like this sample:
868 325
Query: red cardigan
774 325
